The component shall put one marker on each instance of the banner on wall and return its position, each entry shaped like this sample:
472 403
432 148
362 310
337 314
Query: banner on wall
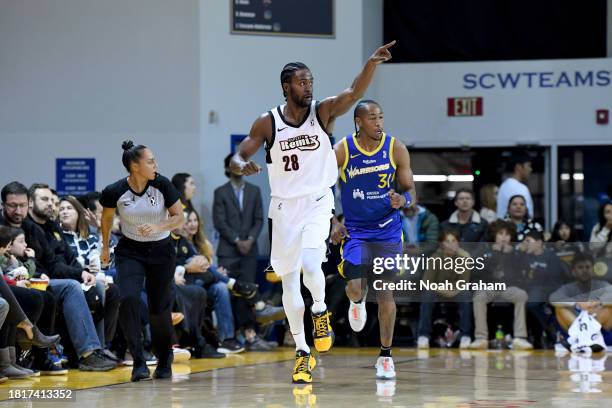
527 102
75 176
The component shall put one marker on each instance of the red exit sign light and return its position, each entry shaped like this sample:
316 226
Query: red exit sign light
465 106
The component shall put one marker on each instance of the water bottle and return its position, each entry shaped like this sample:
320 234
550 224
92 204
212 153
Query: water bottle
499 337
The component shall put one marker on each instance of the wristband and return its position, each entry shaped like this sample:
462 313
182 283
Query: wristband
408 198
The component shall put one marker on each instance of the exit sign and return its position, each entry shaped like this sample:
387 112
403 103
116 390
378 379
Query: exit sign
464 106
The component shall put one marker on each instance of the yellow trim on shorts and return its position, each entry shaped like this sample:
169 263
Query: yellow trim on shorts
341 264
373 152
391 144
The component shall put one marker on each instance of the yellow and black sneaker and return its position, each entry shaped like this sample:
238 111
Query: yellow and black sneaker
304 364
323 334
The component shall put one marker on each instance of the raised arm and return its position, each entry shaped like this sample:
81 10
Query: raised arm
334 106
261 131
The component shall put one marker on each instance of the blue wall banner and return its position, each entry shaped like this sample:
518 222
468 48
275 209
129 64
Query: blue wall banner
75 176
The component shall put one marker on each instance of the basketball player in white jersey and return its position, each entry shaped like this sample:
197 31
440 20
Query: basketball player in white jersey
302 169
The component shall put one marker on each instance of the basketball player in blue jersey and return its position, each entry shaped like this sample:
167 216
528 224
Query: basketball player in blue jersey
370 162
302 169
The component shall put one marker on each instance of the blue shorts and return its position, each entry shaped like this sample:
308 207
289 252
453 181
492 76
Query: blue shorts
358 256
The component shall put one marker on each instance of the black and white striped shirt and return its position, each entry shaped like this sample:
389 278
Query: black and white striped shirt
149 207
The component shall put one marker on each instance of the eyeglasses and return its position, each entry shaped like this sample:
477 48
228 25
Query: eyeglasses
14 206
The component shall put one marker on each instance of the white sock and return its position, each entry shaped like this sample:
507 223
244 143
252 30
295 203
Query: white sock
294 309
314 279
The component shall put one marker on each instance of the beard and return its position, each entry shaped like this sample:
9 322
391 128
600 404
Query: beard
40 213
302 103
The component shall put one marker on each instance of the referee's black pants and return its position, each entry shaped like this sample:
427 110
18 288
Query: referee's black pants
156 262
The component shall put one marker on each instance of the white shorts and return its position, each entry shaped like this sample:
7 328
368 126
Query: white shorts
299 223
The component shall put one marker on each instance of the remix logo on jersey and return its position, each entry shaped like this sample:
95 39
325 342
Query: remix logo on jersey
354 171
302 142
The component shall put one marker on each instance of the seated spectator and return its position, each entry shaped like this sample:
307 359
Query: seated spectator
488 202
191 302
542 271
467 222
585 293
517 213
85 246
219 276
93 209
185 185
39 306
501 260
448 248
420 228
601 237
55 200
41 233
565 243
14 317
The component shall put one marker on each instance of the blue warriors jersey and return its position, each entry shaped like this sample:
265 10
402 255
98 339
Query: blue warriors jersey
365 181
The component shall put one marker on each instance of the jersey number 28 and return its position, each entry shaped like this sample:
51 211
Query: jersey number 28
291 162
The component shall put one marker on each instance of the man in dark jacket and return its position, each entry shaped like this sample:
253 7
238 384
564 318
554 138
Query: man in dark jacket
467 222
63 280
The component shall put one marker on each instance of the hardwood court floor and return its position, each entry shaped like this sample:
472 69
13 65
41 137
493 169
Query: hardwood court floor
345 378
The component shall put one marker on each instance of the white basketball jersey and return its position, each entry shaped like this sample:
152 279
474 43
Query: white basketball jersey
301 160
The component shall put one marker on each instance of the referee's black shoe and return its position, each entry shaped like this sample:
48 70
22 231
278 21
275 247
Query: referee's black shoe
140 372
164 367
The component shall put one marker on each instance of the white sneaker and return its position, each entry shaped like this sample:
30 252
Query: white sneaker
465 342
423 342
521 344
479 344
357 315
385 370
181 355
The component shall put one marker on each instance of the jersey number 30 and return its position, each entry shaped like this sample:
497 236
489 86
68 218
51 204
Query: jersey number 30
291 162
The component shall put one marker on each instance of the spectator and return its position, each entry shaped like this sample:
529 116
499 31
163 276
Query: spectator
93 209
85 246
185 185
601 231
420 228
488 202
542 270
191 300
517 213
501 260
467 222
15 318
449 249
585 293
65 280
565 243
516 185
55 200
238 216
244 290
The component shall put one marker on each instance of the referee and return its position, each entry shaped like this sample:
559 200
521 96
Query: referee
149 208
